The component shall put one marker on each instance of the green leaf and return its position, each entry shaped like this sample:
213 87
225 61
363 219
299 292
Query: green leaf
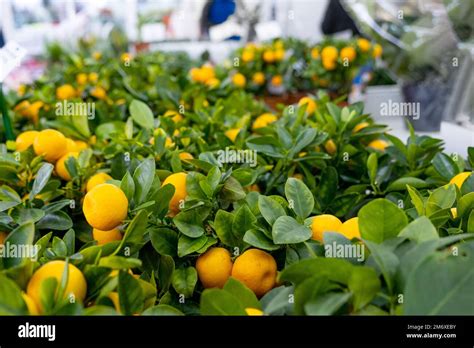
270 209
286 230
162 309
189 223
131 295
381 219
184 280
448 279
127 185
187 245
135 231
327 304
243 221
164 240
223 226
143 178
246 296
328 185
162 198
259 240
21 236
417 200
386 261
141 114
220 302
401 184
299 196
443 197
59 220
336 270
277 300
445 166
232 190
372 165
420 230
42 177
11 301
165 272
120 262
22 215
364 285
465 204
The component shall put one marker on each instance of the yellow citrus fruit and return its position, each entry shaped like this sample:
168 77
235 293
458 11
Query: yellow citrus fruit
175 116
61 169
364 44
114 297
50 144
315 53
33 111
377 51
98 92
25 140
125 57
329 64
207 72
212 82
279 54
323 223
214 267
268 56
105 207
97 55
360 126
178 180
65 92
330 147
76 283
264 120
70 145
378 144
459 179
103 237
278 44
247 55
3 236
197 75
277 80
30 304
310 104
454 212
80 145
350 228
257 270
22 108
329 53
93 77
97 179
258 78
183 156
348 53
81 78
253 311
232 133
239 80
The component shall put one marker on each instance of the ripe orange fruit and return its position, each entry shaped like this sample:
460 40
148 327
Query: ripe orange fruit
258 78
103 237
105 207
329 53
360 126
65 92
364 44
183 156
76 283
277 80
239 80
81 78
348 53
61 169
350 228
214 267
30 304
50 144
310 104
257 270
97 179
330 147
459 179
178 180
323 223
174 115
378 144
264 120
377 51
25 140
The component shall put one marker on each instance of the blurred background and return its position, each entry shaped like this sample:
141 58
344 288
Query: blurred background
427 45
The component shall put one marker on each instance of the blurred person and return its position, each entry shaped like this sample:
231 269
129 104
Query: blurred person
336 19
215 12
